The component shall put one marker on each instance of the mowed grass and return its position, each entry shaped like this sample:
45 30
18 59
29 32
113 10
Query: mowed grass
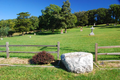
72 41
27 73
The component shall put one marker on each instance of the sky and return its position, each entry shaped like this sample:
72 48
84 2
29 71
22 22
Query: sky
10 8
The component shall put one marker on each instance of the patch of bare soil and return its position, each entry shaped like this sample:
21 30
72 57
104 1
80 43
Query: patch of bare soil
109 64
14 61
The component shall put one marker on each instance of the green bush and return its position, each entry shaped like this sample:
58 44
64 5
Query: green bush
4 31
43 58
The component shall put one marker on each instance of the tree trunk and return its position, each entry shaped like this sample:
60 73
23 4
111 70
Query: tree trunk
65 30
52 30
22 33
119 20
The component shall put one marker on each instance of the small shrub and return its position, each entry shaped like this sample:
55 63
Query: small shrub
43 58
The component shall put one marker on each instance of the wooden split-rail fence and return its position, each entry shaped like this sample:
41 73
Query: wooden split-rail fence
8 51
103 47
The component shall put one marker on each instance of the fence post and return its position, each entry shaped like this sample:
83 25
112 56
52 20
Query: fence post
7 49
58 49
96 49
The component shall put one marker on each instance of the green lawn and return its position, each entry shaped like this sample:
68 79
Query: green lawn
27 73
73 41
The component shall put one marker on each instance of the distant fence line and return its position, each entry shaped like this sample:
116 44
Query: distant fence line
103 47
7 48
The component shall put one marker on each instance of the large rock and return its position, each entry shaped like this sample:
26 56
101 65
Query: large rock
78 62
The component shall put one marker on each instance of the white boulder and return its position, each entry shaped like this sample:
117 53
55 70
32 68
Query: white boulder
78 62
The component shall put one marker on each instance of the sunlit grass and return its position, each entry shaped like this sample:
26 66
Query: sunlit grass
27 73
73 41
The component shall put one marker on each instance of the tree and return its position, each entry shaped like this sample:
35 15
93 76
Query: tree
11 24
4 31
82 18
4 23
7 27
66 16
115 11
42 24
103 15
23 23
35 22
50 17
91 16
23 15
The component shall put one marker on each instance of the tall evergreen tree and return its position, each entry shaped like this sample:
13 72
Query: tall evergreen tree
68 19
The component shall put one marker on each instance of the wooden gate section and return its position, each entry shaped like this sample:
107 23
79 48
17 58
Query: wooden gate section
103 47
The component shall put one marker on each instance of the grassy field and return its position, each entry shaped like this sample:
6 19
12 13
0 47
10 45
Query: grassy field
72 41
24 73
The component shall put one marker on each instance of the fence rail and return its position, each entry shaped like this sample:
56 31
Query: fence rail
2 51
2 45
36 45
103 47
7 48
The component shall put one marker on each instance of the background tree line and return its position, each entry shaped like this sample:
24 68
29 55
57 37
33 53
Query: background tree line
55 17
99 16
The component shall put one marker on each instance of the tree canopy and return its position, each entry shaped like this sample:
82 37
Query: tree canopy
115 12
23 23
50 17
82 18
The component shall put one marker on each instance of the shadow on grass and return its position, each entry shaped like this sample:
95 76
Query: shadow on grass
106 26
61 65
100 26
43 48
109 58
113 27
56 63
1 56
63 48
46 33
39 33
92 53
68 49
